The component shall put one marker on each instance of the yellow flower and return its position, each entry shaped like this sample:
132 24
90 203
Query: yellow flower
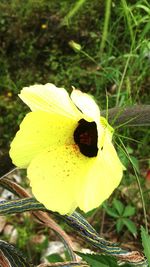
44 26
9 94
77 47
67 149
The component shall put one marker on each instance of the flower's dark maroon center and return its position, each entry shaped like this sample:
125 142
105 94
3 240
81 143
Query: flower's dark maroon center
86 136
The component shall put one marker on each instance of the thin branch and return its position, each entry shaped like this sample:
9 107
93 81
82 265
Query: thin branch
138 115
64 264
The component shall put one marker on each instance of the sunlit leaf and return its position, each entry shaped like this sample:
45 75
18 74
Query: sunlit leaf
130 225
96 260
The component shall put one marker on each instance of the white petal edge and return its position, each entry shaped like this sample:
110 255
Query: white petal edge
86 104
49 98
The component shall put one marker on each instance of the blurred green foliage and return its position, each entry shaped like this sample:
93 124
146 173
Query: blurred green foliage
122 215
111 55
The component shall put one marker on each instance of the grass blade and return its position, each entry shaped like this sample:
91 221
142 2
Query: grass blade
146 243
11 256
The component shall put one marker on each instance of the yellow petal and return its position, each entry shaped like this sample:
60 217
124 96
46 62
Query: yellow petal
104 176
40 130
49 98
63 178
55 177
86 104
90 110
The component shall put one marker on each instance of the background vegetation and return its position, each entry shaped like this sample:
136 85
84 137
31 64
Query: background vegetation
110 56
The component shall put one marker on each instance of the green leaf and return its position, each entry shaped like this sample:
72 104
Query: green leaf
129 149
135 162
73 11
96 260
123 158
20 205
110 211
118 205
89 213
54 258
130 225
119 225
146 243
12 255
129 211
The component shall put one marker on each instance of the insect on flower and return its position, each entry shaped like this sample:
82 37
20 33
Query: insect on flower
66 147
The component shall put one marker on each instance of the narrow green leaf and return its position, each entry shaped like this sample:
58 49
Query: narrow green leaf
75 9
12 255
129 211
96 260
54 258
146 243
118 205
110 211
130 225
135 162
20 205
144 7
76 221
119 225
